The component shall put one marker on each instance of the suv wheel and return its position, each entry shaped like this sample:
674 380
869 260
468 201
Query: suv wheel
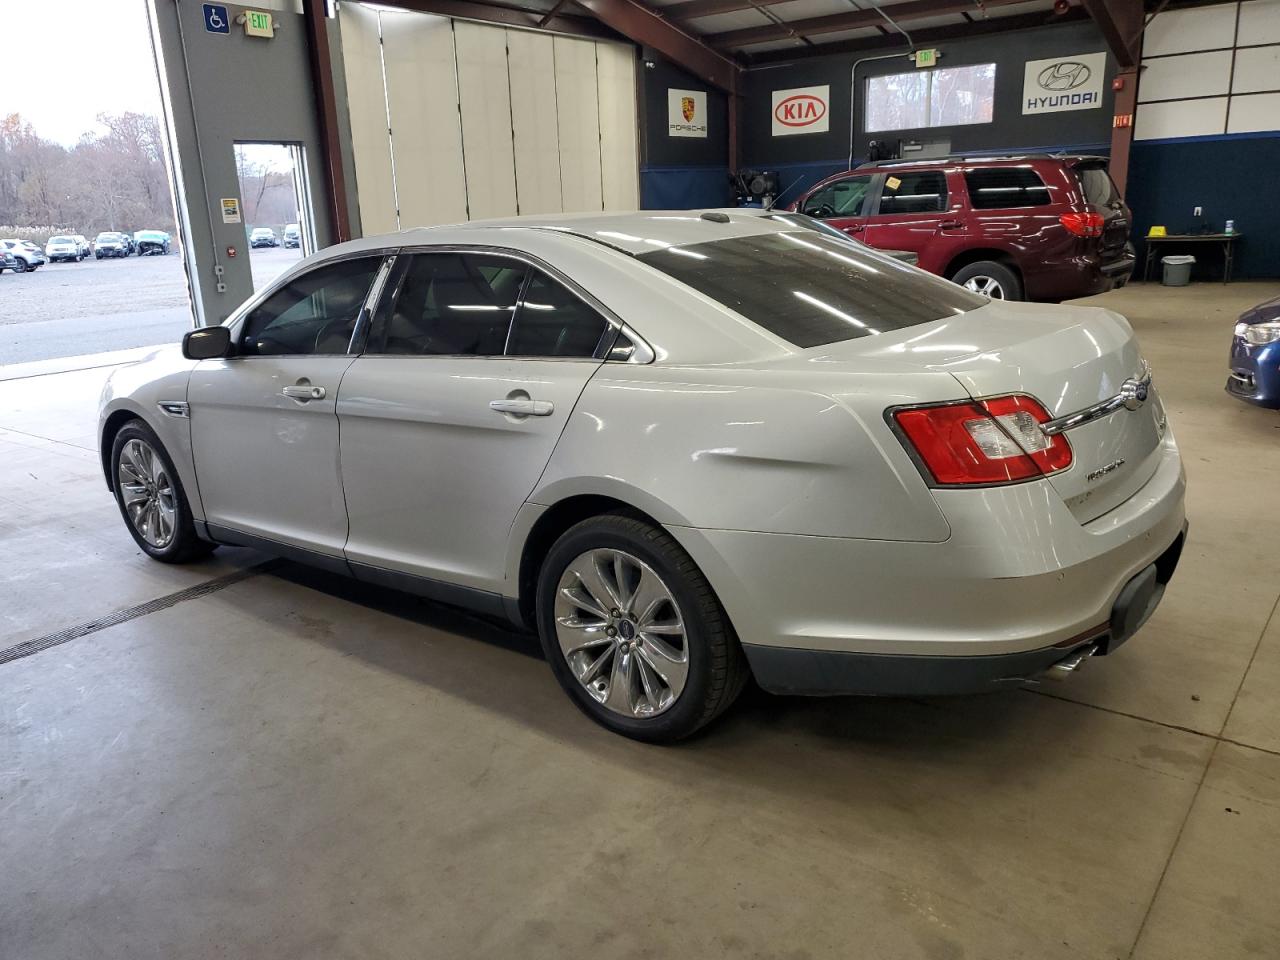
990 279
19 265
633 631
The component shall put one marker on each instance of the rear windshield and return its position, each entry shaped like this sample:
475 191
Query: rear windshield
810 289
61 240
1097 185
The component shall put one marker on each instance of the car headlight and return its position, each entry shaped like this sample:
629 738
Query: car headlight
1259 334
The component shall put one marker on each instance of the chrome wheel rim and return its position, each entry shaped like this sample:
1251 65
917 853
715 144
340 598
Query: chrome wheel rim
622 633
987 286
147 493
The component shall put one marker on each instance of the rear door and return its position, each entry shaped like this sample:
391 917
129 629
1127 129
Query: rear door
1100 193
912 210
472 367
843 204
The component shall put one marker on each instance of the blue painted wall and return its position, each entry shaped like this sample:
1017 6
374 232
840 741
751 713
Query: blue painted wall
1231 177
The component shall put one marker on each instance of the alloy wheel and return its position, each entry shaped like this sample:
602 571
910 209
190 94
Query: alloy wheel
622 633
147 493
987 286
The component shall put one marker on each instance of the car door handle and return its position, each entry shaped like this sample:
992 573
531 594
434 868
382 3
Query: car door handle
303 392
950 225
855 228
523 408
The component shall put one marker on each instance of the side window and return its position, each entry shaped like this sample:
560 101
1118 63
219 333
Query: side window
553 322
844 198
994 188
315 313
923 192
449 304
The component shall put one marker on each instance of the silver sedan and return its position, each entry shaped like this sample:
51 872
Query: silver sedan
686 448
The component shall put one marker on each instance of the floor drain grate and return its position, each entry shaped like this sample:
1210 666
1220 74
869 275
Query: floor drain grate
27 647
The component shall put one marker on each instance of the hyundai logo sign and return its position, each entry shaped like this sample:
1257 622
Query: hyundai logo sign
1064 75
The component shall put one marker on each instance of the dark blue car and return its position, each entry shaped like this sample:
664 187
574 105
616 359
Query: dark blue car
1255 356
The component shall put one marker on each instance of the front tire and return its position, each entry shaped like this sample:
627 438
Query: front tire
634 632
19 266
990 279
151 499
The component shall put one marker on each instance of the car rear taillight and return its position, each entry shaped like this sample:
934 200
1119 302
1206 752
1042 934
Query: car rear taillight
984 442
1083 224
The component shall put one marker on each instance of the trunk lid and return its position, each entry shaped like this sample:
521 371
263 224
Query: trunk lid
1068 358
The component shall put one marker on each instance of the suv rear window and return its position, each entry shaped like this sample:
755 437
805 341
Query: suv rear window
1097 185
811 289
994 188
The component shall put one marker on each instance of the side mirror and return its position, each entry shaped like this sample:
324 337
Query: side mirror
207 343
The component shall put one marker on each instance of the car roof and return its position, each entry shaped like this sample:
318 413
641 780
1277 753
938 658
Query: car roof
954 160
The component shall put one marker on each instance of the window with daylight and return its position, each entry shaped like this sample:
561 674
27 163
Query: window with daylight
931 98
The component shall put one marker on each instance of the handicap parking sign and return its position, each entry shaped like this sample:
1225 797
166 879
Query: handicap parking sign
216 19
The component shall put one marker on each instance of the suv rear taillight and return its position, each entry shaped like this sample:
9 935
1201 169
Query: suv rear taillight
1083 224
984 442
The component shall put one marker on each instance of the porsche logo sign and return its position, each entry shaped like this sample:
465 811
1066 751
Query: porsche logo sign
801 110
686 113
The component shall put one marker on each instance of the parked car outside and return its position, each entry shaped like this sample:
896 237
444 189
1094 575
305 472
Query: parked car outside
292 236
27 255
63 248
7 262
110 244
151 242
83 243
1036 227
598 426
1254 361
263 237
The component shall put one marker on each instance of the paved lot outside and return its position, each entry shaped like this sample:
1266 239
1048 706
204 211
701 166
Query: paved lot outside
72 309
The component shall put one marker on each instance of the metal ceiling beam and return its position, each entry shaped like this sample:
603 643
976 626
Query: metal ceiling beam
923 38
645 26
816 26
1121 23
508 16
692 9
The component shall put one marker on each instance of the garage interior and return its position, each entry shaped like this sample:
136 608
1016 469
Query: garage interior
247 757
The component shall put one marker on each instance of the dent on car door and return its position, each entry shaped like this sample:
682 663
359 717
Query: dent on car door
264 425
473 364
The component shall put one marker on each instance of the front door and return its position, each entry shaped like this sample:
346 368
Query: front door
842 204
473 366
264 428
913 211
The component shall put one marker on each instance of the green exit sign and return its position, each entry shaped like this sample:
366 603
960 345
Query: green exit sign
927 58
257 23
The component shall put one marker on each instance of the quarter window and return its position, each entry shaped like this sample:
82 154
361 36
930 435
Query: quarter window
553 322
450 304
924 192
844 198
315 313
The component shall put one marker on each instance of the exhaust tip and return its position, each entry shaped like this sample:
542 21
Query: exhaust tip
1070 663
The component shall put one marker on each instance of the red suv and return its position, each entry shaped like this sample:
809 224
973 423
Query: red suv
1015 228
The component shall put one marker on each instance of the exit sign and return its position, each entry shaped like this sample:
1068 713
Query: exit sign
927 58
257 23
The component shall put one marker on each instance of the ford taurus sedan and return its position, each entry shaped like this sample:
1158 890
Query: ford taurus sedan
686 448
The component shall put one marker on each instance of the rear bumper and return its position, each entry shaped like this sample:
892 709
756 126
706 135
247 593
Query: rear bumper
1020 584
1083 276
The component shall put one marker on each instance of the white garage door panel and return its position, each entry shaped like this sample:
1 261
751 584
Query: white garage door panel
367 104
1191 75
577 106
1257 69
426 139
1256 113
485 100
616 82
1185 118
1259 22
531 66
1201 28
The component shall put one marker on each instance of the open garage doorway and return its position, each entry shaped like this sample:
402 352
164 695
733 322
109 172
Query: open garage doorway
84 189
275 207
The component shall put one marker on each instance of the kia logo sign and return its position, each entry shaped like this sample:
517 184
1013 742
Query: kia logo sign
802 110
1064 75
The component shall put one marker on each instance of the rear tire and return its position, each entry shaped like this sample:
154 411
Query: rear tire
151 499
637 639
19 266
990 279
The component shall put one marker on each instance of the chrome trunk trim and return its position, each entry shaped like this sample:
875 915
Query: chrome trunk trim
1133 394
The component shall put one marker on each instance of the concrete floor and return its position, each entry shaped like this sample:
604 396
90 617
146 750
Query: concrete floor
292 766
